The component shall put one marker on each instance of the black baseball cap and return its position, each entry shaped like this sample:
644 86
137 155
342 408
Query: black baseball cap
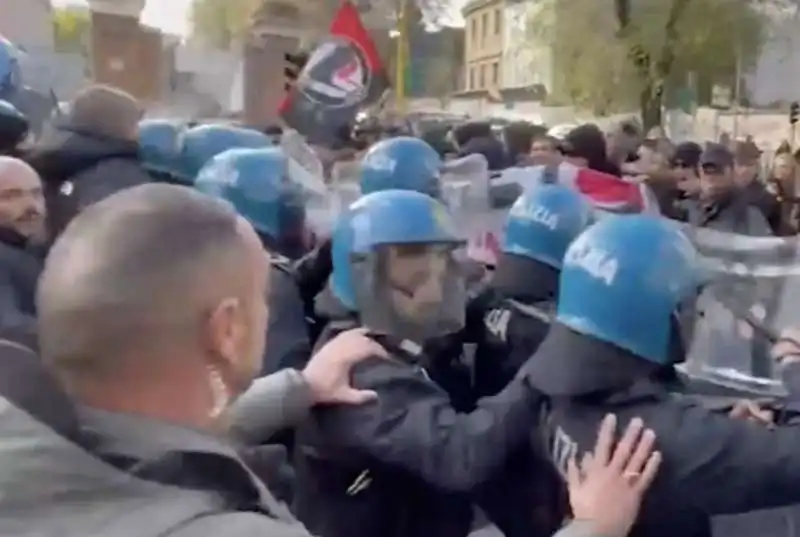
687 155
716 156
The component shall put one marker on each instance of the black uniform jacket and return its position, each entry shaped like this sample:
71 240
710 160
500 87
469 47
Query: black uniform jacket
404 464
712 465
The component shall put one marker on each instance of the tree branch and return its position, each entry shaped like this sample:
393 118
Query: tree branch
667 55
622 9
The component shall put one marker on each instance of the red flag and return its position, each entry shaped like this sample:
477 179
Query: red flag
342 75
609 192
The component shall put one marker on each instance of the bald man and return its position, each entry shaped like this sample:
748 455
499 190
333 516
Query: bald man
22 224
151 317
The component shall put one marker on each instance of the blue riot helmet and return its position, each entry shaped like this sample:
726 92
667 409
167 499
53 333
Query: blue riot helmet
544 221
14 127
10 73
632 281
402 163
259 185
160 148
202 143
395 265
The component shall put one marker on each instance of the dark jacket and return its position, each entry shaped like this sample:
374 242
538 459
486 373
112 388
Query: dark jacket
713 464
779 206
403 465
79 169
288 339
510 319
492 150
142 478
20 267
732 214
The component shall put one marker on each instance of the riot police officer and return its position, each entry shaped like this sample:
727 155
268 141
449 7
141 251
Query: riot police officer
14 128
403 466
508 321
408 163
199 144
627 284
513 315
403 163
160 149
258 184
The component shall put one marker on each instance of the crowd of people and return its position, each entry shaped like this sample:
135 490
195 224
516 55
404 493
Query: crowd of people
182 357
711 184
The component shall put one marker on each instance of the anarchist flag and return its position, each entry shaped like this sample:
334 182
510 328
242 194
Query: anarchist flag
342 75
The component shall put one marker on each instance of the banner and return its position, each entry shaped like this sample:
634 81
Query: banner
343 74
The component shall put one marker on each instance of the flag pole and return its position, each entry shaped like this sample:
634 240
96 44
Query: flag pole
401 56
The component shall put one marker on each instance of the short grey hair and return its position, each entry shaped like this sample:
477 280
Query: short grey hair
133 270
106 111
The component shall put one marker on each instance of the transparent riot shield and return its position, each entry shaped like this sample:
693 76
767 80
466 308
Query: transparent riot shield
305 168
465 190
753 292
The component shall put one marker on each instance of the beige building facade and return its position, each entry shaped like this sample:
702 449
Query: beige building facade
484 44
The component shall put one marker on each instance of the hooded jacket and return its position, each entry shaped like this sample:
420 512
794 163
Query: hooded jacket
79 168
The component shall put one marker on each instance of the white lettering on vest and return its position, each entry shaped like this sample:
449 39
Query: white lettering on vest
562 450
496 322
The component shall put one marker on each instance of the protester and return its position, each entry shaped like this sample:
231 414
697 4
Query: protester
721 205
466 132
782 185
151 318
544 150
89 153
585 146
679 181
492 150
622 141
747 162
22 234
518 137
686 162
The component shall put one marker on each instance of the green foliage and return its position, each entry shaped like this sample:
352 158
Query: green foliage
606 64
219 22
71 29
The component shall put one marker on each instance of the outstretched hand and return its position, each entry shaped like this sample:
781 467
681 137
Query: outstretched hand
787 348
328 371
606 488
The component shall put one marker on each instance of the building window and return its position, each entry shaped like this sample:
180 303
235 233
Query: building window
498 22
482 77
496 74
473 31
484 26
471 84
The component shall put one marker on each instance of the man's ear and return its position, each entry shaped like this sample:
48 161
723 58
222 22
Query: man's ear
223 330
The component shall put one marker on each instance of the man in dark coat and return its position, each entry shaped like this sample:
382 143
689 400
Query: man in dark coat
90 153
22 222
